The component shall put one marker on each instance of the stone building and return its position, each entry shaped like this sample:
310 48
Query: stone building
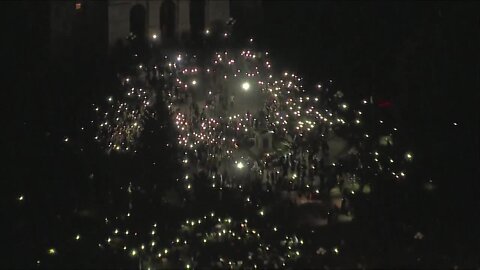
164 19
114 20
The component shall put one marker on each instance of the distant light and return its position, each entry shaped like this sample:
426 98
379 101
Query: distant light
78 6
52 251
20 198
408 156
207 32
194 82
455 124
240 165
154 36
246 86
77 237
179 58
110 99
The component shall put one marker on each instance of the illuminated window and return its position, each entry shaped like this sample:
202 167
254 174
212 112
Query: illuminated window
78 6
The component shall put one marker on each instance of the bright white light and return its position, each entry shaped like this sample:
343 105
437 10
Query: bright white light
240 165
179 58
20 198
194 82
154 36
246 86
207 32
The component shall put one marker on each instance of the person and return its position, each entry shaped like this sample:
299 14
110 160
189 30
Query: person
232 101
176 91
203 115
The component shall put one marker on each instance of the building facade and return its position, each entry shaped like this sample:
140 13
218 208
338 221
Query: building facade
164 20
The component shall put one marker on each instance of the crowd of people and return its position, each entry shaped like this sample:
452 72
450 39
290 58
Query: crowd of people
243 128
283 140
223 146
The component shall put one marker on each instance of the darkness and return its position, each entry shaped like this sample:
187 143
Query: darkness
420 56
